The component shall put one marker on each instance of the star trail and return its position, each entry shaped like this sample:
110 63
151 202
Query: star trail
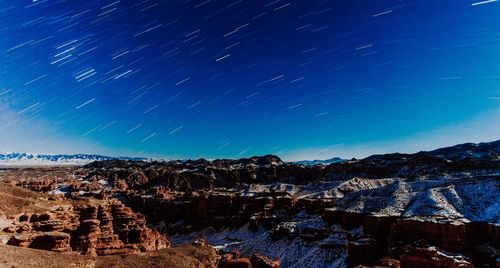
216 78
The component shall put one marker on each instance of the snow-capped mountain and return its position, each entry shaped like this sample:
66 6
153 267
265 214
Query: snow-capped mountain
319 162
29 159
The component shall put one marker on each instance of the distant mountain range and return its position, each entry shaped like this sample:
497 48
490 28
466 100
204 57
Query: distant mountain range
33 159
476 151
29 159
319 162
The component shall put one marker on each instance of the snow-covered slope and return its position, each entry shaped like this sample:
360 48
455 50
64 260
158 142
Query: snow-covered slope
29 159
294 252
467 197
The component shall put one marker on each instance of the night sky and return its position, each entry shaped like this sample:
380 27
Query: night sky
215 78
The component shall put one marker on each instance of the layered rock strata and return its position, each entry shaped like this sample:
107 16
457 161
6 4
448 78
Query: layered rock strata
105 228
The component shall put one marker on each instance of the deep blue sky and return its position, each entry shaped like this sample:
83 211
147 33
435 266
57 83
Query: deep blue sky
303 79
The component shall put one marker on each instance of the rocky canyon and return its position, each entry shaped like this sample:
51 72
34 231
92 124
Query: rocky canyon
430 209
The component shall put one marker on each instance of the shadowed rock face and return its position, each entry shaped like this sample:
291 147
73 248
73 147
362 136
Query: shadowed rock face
433 209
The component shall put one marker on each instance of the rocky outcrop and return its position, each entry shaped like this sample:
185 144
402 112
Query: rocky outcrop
103 228
39 185
420 255
54 241
260 261
445 234
391 236
113 228
203 209
233 260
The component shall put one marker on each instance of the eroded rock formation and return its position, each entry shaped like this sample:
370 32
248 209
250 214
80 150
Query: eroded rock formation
102 228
